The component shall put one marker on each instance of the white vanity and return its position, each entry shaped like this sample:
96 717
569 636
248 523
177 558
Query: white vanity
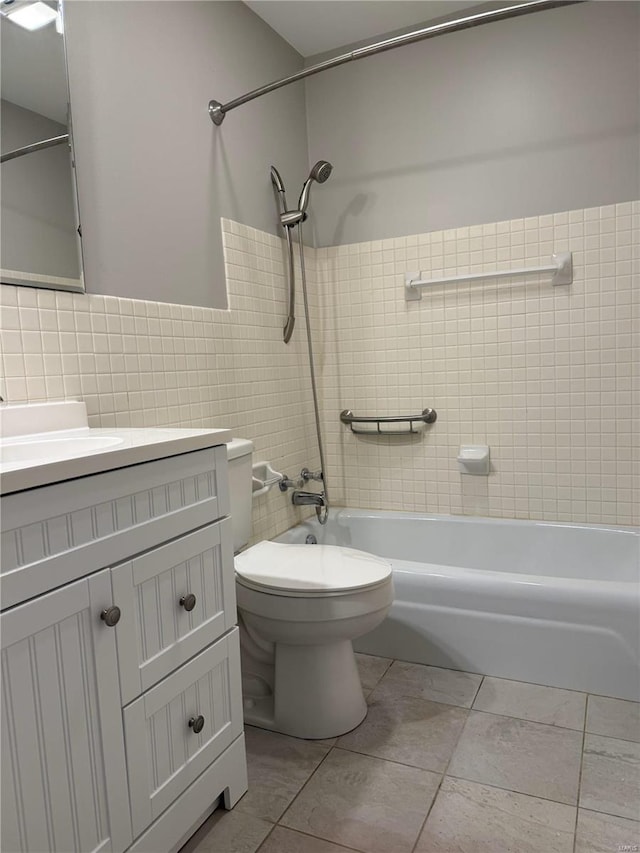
121 699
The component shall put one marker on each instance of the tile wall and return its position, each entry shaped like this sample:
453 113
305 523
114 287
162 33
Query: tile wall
547 376
139 363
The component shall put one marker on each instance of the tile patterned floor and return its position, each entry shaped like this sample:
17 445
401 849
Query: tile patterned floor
445 762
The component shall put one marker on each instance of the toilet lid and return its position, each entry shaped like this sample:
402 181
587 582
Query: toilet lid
310 568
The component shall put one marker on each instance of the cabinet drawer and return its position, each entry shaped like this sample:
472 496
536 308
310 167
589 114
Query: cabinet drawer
56 534
164 753
156 633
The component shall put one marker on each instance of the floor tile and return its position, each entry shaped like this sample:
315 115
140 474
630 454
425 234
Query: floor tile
471 817
532 702
411 731
371 669
603 833
611 776
284 840
430 682
278 767
613 718
530 758
373 805
228 832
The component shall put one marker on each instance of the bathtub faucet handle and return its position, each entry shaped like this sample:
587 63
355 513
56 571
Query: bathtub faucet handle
285 483
307 475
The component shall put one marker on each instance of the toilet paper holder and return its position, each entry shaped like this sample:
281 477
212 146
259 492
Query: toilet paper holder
264 477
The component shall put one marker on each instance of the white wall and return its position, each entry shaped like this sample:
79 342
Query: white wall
517 118
154 174
38 217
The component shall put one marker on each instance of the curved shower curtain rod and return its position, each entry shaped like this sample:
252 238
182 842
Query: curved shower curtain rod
217 110
35 146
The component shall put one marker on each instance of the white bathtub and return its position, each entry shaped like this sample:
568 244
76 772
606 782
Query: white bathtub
554 604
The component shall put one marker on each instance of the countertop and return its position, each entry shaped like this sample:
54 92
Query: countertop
66 462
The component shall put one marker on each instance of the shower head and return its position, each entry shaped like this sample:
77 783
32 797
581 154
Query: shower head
319 173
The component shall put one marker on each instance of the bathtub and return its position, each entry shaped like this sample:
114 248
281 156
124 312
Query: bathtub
547 603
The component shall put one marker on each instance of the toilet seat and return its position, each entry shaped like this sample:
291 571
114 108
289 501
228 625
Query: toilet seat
309 570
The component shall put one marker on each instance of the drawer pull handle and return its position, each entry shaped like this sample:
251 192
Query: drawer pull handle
197 723
188 601
111 616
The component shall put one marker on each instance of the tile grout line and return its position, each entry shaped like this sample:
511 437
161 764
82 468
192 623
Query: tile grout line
533 722
264 840
495 714
475 695
611 737
584 737
314 837
312 774
444 772
520 793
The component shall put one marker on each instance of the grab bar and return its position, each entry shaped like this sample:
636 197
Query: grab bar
427 416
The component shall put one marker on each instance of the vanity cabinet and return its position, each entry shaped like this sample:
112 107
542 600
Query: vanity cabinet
63 758
121 696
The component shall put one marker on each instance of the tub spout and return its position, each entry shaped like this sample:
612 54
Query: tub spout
302 498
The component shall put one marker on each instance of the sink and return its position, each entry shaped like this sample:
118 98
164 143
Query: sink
48 442
37 433
18 420
62 447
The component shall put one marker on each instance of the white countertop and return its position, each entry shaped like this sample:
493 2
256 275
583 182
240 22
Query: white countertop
68 456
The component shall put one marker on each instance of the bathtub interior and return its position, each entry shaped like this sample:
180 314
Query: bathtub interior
587 552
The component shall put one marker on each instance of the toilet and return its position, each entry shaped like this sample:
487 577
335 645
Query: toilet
300 607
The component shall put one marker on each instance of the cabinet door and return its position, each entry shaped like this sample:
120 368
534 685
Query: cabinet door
64 782
175 730
182 598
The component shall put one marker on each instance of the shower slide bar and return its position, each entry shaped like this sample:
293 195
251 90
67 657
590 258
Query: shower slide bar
35 146
427 416
218 110
561 267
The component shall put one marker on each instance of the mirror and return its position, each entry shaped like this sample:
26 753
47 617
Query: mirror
39 223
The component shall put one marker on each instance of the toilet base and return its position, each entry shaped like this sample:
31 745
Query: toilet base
317 692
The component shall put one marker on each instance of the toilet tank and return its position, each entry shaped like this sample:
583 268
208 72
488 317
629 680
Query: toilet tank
239 454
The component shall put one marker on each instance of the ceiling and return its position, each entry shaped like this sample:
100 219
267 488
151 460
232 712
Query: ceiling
33 70
317 26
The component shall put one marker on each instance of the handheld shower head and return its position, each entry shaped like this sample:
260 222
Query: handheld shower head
319 173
